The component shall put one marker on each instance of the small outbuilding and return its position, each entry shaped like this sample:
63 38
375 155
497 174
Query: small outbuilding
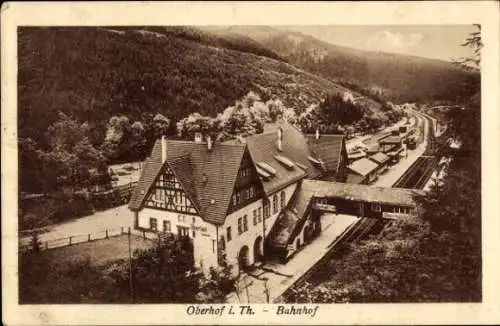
363 171
390 143
382 160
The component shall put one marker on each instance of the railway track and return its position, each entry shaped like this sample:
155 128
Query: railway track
415 177
418 174
320 270
421 170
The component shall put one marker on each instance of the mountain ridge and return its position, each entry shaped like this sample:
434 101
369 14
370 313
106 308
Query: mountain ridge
402 77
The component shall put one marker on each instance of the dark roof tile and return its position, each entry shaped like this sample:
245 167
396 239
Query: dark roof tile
327 148
263 148
207 176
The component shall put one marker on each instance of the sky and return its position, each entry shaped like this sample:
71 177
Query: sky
431 41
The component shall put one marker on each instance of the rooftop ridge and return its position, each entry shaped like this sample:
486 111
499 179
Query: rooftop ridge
225 143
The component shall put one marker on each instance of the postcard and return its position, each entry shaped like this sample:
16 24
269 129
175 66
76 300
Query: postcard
250 163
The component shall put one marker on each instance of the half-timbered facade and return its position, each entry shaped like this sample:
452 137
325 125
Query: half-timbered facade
228 196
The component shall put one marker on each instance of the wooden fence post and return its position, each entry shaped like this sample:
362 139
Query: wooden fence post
70 241
89 237
129 230
46 245
106 234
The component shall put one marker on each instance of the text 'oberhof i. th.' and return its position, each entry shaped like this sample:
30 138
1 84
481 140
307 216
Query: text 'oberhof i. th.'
198 310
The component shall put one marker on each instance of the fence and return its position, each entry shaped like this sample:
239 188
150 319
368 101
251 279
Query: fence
125 190
83 238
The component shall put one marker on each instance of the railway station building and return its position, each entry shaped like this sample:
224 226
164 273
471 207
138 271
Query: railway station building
239 200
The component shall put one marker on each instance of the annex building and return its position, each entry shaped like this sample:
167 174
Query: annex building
235 198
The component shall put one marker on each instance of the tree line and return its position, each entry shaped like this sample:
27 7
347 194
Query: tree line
75 158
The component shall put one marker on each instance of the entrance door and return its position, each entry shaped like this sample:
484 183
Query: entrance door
257 249
243 259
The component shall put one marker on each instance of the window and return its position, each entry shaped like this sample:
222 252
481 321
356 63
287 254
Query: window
251 191
245 172
255 217
228 233
153 224
282 200
376 207
166 226
183 231
259 214
240 226
245 223
275 204
402 210
267 211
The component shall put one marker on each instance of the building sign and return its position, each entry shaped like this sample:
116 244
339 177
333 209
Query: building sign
199 228
394 216
325 207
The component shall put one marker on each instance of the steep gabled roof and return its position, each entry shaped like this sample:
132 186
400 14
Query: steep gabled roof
151 168
263 148
327 148
363 166
208 177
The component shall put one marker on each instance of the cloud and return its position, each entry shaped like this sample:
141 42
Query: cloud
393 42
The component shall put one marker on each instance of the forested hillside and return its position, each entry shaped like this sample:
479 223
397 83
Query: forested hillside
400 78
94 96
92 74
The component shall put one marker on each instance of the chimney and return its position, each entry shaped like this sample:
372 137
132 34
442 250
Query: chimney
209 143
163 149
198 137
280 139
317 133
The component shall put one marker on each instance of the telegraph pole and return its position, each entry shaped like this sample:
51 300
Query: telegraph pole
266 290
131 285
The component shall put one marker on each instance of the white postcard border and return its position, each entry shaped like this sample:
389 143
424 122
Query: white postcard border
257 13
